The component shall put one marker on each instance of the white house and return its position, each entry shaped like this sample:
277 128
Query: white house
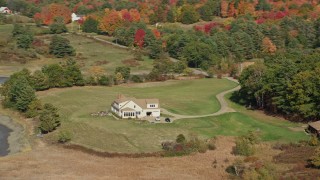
126 107
5 10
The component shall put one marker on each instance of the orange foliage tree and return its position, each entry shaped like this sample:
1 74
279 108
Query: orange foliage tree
224 8
268 46
110 21
135 15
50 12
232 11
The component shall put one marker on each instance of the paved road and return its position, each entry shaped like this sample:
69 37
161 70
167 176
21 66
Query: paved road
224 108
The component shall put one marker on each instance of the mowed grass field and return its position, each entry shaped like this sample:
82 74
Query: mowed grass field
193 97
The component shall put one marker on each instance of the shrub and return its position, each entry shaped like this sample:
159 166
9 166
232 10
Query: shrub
243 147
24 41
104 81
211 145
314 141
136 79
34 108
181 138
315 159
64 136
58 28
91 81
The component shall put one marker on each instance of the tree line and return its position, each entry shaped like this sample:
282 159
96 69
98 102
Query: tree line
286 84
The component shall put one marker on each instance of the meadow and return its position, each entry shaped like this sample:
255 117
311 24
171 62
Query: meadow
190 97
89 53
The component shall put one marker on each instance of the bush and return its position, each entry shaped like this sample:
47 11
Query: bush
181 138
34 108
243 147
136 79
104 81
58 28
314 141
211 145
315 159
64 136
24 41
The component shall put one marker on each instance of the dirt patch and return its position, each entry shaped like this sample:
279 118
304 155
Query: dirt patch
296 159
57 162
99 63
131 62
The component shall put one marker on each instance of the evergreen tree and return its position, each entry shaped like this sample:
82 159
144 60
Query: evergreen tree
24 41
21 94
40 81
60 47
72 73
49 118
189 14
90 25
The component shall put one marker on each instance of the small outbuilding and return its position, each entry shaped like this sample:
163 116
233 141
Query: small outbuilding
5 10
314 128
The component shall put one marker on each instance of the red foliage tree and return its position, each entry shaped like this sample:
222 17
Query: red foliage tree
139 37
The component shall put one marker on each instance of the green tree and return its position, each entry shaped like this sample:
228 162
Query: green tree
209 9
189 14
60 47
72 73
34 108
24 41
90 25
58 28
49 118
21 94
243 46
55 74
198 54
40 81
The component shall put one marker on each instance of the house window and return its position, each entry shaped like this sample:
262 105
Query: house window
134 106
152 105
138 112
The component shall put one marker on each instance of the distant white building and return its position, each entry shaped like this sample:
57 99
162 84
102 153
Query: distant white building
75 17
5 10
135 108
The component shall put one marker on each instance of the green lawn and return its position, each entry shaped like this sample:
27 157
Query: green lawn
108 134
5 30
